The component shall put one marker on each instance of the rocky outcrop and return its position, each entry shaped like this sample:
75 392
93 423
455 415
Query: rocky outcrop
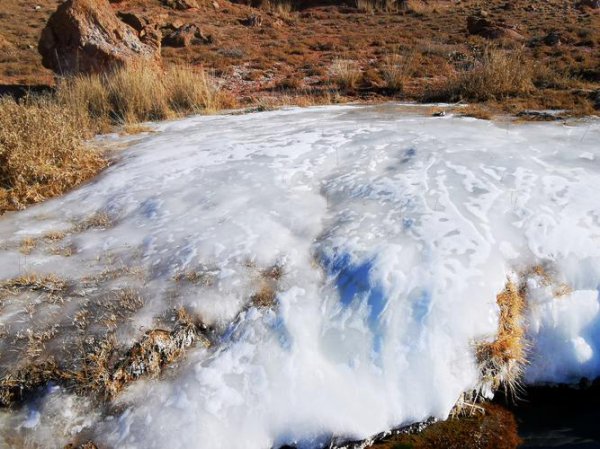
185 36
86 36
484 27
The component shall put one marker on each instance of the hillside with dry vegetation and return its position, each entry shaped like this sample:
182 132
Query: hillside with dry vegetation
518 54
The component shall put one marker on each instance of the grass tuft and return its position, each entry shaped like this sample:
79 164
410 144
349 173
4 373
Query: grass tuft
501 361
346 74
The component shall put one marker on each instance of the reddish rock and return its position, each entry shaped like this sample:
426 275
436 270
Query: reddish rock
86 36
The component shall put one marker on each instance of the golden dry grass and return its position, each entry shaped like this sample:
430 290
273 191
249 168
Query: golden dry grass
501 361
138 94
345 73
42 152
498 74
397 69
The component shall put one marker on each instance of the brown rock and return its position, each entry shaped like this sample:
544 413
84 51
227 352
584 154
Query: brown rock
86 36
180 4
185 36
252 21
484 27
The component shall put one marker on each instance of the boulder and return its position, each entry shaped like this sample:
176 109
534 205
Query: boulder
86 36
185 36
484 27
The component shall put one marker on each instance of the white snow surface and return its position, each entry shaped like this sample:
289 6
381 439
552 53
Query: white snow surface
395 232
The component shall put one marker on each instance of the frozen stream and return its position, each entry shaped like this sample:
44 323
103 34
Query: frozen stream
394 232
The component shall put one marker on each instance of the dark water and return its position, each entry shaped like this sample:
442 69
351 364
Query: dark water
559 417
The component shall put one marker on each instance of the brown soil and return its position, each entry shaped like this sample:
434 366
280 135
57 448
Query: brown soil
291 53
496 428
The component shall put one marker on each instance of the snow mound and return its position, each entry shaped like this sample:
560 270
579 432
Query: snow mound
394 233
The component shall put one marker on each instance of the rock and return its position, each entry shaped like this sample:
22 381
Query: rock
134 20
215 5
185 36
180 4
552 39
86 36
539 115
484 27
148 28
592 4
252 21
595 97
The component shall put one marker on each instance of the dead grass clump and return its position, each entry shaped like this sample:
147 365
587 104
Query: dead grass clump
54 236
283 8
501 361
137 94
265 296
105 370
27 245
372 6
191 90
42 152
396 70
31 282
98 220
476 111
496 75
346 74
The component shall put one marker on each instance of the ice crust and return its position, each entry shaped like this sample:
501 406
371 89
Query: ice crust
395 232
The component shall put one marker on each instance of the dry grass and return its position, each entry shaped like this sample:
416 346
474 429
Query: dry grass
105 369
283 8
345 73
397 69
32 282
501 361
498 74
372 6
42 139
138 94
42 152
476 111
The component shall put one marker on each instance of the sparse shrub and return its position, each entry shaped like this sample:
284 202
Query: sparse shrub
497 74
346 74
42 152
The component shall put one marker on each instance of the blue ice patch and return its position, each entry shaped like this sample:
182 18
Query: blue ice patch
353 284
